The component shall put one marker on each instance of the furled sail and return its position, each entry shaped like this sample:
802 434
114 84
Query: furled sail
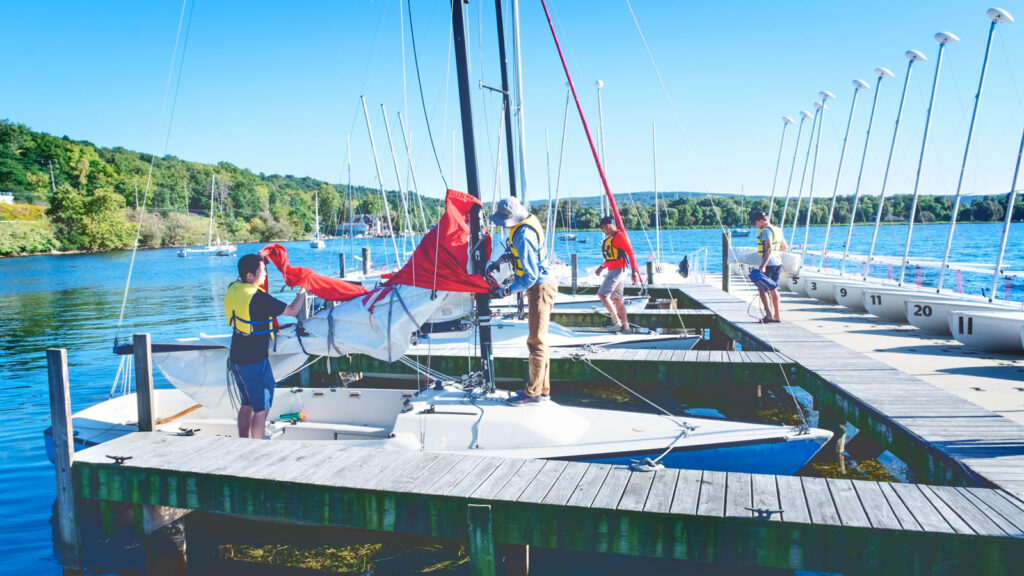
434 285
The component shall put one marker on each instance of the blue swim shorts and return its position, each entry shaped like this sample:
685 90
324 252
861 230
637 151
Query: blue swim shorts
255 384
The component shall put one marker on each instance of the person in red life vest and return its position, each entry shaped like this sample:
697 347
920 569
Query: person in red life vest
616 250
250 312
532 275
770 242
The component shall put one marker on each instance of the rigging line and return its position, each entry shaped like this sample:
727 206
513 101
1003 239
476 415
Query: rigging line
558 174
671 105
1009 69
423 100
480 85
181 68
152 160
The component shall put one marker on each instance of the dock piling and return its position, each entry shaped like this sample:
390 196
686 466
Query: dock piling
650 273
366 261
726 248
63 457
144 381
481 540
575 272
341 265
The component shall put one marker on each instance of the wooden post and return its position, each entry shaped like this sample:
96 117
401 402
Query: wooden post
650 273
835 423
63 457
481 540
341 265
144 381
575 272
726 248
366 261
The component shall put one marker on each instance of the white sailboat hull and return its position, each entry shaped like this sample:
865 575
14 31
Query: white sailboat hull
988 330
455 421
889 303
931 313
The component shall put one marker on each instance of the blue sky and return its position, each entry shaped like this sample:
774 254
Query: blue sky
274 87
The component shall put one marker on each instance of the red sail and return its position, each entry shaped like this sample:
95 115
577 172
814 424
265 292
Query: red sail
441 261
324 287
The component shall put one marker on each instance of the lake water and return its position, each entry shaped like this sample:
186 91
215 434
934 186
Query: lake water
74 302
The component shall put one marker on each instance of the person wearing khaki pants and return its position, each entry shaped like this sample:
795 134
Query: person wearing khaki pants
532 275
541 298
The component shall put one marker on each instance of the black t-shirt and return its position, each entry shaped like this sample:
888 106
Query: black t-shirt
250 349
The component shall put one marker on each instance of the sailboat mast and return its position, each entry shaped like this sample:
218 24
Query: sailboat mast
1010 200
997 15
510 146
657 210
912 56
942 38
213 185
316 204
477 255
520 113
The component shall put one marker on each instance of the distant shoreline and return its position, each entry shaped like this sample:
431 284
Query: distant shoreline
557 231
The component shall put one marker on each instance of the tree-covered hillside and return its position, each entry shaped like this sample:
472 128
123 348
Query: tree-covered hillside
73 195
92 195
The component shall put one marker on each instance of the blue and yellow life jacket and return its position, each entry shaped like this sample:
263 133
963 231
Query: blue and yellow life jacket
776 240
236 310
530 222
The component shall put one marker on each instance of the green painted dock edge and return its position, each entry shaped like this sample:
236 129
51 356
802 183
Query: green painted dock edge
678 368
696 537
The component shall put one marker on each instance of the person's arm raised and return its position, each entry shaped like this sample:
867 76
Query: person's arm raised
297 304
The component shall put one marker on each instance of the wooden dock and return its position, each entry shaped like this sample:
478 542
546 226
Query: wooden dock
677 367
940 435
972 523
832 525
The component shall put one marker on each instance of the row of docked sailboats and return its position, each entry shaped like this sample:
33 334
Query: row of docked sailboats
984 323
452 415
464 415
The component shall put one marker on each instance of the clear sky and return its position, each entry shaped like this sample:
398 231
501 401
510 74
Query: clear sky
275 86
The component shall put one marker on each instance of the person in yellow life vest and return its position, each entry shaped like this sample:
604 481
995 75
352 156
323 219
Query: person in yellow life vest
250 312
770 242
532 275
617 252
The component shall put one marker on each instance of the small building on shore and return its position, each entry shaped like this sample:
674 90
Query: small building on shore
6 198
368 225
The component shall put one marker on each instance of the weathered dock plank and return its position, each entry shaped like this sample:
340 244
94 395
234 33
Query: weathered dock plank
684 514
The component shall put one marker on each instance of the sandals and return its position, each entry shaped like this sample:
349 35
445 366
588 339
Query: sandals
769 320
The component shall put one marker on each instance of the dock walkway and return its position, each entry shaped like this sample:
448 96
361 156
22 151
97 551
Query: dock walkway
835 525
938 433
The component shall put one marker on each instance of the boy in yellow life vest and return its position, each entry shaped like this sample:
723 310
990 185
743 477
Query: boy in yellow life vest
250 312
533 275
770 242
617 253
